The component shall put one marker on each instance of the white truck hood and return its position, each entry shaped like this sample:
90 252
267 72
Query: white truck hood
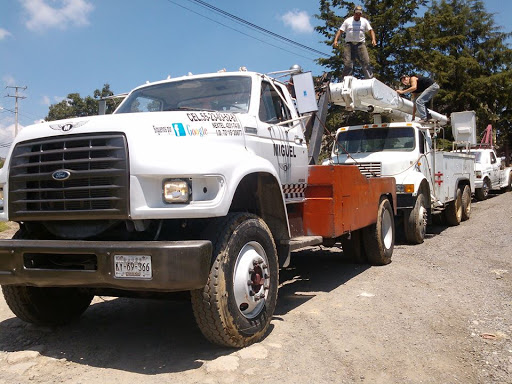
394 164
181 137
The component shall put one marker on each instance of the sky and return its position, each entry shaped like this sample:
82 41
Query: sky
57 47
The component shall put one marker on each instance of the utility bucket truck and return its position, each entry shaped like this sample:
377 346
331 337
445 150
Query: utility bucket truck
428 181
200 183
491 173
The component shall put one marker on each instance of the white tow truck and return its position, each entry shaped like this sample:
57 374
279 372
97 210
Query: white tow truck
200 183
428 181
490 170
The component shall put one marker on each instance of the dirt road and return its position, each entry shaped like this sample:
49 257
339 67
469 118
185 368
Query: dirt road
441 312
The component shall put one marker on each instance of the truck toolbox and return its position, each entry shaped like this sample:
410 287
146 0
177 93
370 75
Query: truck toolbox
174 265
340 199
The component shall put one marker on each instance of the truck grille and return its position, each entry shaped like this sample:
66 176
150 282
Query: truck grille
369 169
97 186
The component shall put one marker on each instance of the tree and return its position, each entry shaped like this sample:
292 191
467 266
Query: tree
390 20
75 106
458 42
454 41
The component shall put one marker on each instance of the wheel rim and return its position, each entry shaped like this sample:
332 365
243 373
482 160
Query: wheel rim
468 202
251 279
423 216
387 229
485 188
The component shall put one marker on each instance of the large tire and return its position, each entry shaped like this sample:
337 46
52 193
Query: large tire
415 222
353 247
466 203
483 193
235 307
48 305
509 185
379 238
45 305
453 212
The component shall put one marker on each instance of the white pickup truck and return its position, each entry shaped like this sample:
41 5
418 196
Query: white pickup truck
490 172
199 183
428 181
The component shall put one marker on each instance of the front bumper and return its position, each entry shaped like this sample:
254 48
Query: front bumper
176 265
405 200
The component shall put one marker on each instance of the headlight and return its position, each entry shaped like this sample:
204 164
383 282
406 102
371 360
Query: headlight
176 191
405 188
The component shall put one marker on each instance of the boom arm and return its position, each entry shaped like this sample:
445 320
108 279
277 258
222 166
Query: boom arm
374 96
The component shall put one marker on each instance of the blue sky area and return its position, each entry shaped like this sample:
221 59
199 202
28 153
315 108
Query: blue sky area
57 47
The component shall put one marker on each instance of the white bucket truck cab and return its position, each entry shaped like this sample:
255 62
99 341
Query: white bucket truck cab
428 181
200 183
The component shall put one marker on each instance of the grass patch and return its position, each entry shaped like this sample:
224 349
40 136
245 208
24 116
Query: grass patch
3 226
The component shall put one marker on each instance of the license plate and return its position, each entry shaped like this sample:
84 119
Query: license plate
133 267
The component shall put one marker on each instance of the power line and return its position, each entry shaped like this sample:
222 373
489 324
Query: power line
254 26
250 25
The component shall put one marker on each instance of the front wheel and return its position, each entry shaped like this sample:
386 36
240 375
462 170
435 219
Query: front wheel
379 238
483 193
46 306
415 222
235 307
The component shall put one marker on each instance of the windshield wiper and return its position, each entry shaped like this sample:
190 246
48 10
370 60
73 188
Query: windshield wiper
190 109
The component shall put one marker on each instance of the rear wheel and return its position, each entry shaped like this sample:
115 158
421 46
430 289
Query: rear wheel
353 247
379 238
235 307
509 185
415 223
466 203
453 212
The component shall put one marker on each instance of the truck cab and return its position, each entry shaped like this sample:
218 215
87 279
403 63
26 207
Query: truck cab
490 172
428 181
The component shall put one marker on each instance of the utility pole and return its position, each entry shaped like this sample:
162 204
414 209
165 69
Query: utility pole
16 96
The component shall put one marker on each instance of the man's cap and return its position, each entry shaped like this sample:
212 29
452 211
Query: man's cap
358 9
404 75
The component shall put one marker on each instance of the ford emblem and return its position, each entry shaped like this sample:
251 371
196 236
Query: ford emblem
61 175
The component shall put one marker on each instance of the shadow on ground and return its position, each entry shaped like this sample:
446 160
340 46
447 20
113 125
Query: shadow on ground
149 336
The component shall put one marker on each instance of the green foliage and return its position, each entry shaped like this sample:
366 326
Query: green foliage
76 106
458 43
3 226
443 144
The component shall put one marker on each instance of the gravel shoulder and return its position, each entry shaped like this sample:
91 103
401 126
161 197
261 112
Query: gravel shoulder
441 312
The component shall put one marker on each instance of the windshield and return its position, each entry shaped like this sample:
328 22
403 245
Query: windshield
375 140
223 94
478 156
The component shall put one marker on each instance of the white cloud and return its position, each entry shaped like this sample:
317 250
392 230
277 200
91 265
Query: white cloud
45 101
4 33
298 21
42 15
8 80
